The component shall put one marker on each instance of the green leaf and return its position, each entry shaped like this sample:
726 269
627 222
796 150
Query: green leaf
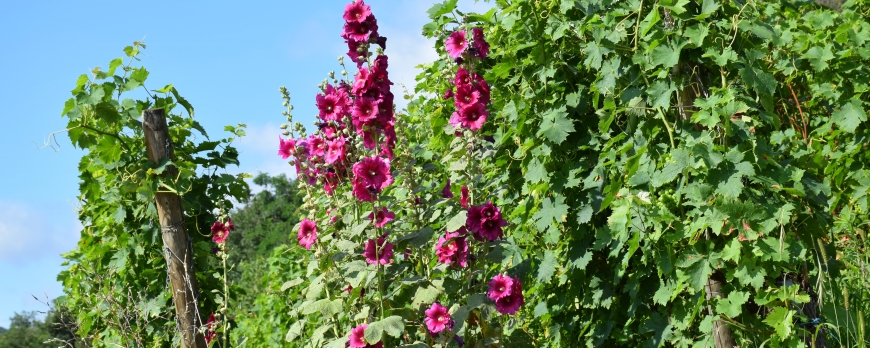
291 283
665 55
457 221
849 116
696 34
547 267
733 305
678 6
119 260
536 172
120 215
819 56
781 321
698 274
113 65
295 331
556 125
758 80
393 326
552 209
441 9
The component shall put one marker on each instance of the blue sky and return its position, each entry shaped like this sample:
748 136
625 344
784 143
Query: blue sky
227 58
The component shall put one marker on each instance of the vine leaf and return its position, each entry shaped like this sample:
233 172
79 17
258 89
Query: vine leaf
780 320
556 125
849 116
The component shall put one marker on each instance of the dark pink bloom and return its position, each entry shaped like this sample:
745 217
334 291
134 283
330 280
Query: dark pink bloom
465 96
463 198
448 93
471 117
357 11
500 286
286 148
382 218
511 304
361 31
357 336
219 232
491 229
317 146
361 82
365 109
437 318
456 44
462 77
373 172
380 252
445 192
481 47
481 87
307 234
485 221
335 151
331 104
452 249
210 332
230 225
378 74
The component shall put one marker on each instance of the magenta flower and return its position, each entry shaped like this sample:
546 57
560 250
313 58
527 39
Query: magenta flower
456 44
219 232
382 218
465 96
365 109
357 11
230 225
486 221
361 82
499 287
481 47
511 304
462 77
335 151
448 93
331 104
481 87
353 51
361 31
286 148
437 318
317 146
382 252
463 198
307 234
452 249
471 117
357 336
373 172
445 192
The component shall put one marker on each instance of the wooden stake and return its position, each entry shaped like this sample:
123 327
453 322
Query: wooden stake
176 243
722 335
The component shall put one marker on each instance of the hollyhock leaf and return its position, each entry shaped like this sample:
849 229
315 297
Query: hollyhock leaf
457 221
295 331
441 9
291 283
547 267
541 309
393 326
556 125
417 238
340 342
427 293
358 229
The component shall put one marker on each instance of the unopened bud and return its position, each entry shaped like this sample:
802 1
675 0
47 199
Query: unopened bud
344 72
283 126
286 133
332 74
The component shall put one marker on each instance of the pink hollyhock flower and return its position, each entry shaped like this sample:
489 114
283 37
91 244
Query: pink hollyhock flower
486 221
385 110
511 304
357 11
361 82
445 192
462 77
500 286
365 109
330 104
286 148
465 96
357 336
481 47
456 44
219 232
230 225
452 249
481 87
373 172
335 151
463 198
448 93
307 234
382 252
317 146
471 117
361 31
210 332
379 75
353 51
491 229
437 318
382 218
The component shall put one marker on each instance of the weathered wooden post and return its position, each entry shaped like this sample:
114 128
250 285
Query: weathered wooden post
176 243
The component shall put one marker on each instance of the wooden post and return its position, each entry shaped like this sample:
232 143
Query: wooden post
722 335
177 247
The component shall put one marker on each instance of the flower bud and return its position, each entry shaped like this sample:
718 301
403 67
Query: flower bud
332 74
286 103
283 126
344 72
286 133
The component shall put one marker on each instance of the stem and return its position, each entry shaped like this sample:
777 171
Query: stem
668 127
226 300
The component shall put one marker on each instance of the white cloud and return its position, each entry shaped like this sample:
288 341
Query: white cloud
27 235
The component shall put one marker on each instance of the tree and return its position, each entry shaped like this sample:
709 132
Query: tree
25 331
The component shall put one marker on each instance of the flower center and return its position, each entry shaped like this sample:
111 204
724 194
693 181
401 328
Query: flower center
358 15
442 319
501 289
372 173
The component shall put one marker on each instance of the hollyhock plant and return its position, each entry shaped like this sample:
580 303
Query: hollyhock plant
511 304
382 218
452 249
286 148
463 197
331 104
437 318
500 286
219 232
362 192
307 234
357 11
380 252
456 44
373 172
210 332
445 192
